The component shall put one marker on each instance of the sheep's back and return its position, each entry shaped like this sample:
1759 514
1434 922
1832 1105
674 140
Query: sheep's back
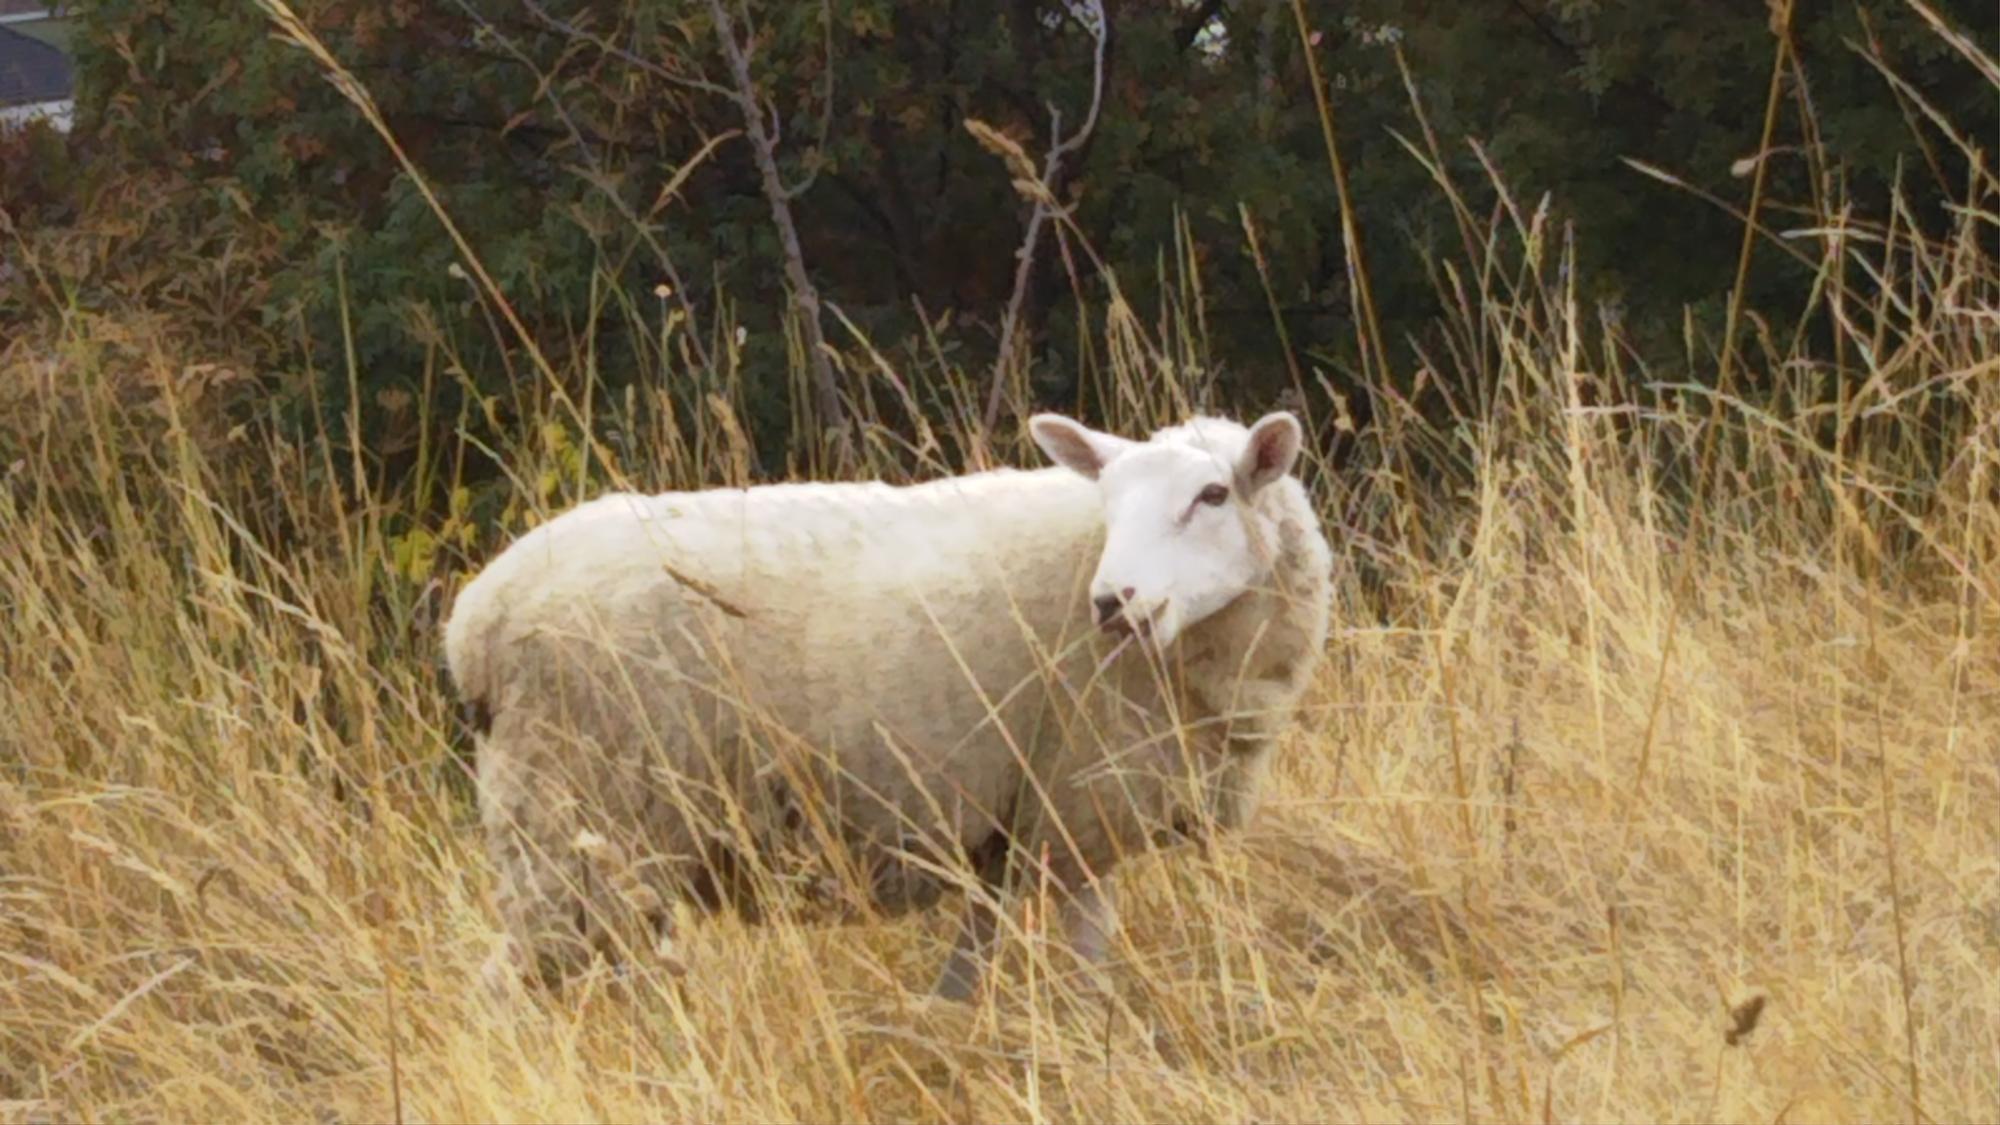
864 630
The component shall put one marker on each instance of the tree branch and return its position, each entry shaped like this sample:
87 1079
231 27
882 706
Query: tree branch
805 298
1045 205
1561 43
620 53
601 179
816 159
906 268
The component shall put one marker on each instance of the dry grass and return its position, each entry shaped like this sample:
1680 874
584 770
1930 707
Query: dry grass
239 880
1588 775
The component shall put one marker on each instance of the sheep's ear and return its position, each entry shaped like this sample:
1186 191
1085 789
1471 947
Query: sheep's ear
1075 446
1274 446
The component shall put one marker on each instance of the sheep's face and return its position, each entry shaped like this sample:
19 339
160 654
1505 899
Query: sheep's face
1184 532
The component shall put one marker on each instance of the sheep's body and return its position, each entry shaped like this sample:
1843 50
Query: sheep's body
673 682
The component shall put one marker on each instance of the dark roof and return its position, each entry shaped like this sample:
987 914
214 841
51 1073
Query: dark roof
32 71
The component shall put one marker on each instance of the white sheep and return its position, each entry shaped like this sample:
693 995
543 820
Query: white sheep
675 692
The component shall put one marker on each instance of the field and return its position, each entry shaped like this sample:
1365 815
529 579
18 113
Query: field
1652 774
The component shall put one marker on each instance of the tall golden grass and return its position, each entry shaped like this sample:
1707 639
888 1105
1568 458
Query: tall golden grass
1654 773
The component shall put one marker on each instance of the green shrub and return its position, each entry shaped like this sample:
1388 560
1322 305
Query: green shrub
552 150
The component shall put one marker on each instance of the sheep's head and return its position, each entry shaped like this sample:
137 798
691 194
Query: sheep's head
1185 534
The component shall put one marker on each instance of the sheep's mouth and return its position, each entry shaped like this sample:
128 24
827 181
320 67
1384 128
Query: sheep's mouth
1138 622
1124 626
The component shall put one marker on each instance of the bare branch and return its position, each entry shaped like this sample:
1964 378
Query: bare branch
1046 205
1101 32
777 123
620 53
598 177
805 298
815 158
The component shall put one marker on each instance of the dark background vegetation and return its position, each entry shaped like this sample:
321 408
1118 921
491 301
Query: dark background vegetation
589 152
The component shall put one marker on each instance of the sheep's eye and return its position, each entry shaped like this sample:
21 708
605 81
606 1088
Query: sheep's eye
1214 494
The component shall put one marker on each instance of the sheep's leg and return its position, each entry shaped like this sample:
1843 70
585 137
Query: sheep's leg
505 968
1091 919
1240 789
973 951
561 913
571 887
1263 708
547 924
529 842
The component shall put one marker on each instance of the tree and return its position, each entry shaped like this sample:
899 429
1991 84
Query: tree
585 145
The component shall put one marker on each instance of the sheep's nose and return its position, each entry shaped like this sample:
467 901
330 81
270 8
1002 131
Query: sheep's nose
1109 606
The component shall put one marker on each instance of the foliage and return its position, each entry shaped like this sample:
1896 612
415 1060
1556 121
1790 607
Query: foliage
571 139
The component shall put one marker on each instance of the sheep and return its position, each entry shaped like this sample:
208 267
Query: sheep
1009 672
